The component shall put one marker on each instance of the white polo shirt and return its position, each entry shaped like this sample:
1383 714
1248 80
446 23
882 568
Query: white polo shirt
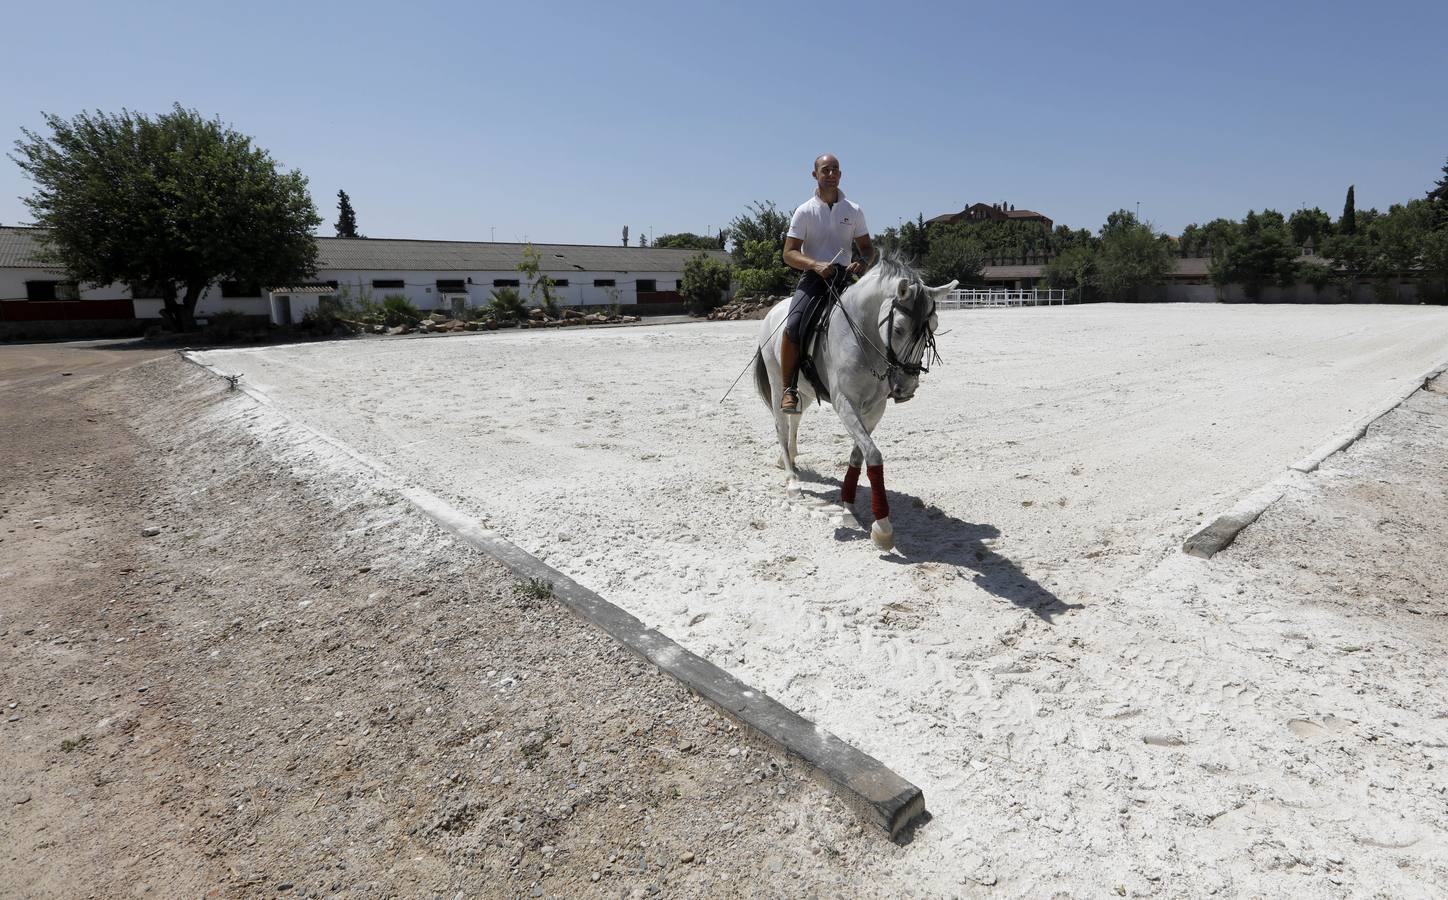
828 232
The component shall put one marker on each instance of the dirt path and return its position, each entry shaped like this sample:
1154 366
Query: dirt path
298 686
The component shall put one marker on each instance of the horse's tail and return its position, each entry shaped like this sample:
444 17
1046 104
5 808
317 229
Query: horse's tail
761 379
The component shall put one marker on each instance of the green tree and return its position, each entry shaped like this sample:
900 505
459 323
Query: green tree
955 254
1348 223
643 240
1074 269
1434 287
1130 257
758 250
176 201
686 240
1438 197
705 282
1263 254
1309 225
540 285
346 217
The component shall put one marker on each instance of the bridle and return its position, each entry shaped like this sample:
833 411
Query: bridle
919 335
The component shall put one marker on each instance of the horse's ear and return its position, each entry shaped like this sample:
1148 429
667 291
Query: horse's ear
902 290
944 288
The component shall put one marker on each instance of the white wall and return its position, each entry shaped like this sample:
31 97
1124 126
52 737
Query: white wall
420 289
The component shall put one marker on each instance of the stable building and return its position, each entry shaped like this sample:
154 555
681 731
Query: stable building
432 275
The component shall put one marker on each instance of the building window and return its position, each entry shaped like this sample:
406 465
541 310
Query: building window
647 285
452 286
52 290
384 284
505 282
240 289
603 282
560 282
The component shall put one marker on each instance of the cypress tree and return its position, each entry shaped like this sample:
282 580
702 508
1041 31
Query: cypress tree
1348 224
346 217
1438 196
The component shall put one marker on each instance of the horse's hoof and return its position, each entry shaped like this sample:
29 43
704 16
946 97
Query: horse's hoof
883 534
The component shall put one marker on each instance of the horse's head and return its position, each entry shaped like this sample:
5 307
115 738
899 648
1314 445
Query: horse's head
910 323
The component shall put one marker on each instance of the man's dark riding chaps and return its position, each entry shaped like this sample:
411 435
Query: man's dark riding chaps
809 308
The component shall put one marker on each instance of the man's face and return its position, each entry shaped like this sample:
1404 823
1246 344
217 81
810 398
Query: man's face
827 172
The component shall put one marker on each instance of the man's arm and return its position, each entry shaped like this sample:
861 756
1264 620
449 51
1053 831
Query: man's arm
867 253
794 257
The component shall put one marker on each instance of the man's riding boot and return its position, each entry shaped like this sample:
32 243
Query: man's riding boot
789 375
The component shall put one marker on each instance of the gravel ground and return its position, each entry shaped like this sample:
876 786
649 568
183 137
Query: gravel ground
299 686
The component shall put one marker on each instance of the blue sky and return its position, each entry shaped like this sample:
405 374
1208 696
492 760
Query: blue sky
563 122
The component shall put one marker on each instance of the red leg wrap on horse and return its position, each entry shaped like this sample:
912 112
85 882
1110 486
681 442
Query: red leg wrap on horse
852 478
878 504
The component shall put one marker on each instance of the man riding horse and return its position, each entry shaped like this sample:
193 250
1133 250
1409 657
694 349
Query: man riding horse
822 234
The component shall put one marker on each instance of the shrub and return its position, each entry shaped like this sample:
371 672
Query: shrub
507 306
226 326
398 310
705 282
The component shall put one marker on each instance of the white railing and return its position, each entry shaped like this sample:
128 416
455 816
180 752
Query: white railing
970 299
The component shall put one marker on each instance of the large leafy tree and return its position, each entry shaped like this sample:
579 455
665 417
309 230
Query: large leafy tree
687 240
1131 257
757 247
955 255
1075 270
176 202
1263 254
1309 225
705 282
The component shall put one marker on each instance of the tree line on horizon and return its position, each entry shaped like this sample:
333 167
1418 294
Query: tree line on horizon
177 202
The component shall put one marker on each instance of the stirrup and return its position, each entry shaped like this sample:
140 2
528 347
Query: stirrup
789 404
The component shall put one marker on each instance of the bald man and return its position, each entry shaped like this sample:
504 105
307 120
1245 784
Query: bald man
822 235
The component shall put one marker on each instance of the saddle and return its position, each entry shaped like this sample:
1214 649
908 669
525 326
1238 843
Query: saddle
816 324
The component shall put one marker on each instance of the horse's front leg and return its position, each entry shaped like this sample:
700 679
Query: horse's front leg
860 424
786 431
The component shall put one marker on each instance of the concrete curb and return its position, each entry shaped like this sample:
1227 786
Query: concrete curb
876 793
1218 534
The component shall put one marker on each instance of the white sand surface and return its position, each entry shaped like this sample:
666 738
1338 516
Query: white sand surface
1037 656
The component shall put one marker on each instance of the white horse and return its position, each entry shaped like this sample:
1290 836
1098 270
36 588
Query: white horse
873 350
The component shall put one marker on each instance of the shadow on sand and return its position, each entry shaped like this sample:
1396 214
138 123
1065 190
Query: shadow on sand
930 535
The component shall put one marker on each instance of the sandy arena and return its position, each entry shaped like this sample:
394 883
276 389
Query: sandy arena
1086 708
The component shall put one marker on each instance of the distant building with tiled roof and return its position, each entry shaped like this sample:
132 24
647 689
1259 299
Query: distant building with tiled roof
991 212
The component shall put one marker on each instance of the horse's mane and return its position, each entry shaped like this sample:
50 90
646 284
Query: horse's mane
893 265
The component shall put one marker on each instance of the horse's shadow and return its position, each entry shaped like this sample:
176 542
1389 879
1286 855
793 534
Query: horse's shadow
934 536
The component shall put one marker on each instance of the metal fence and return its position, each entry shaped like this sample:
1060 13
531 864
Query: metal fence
970 299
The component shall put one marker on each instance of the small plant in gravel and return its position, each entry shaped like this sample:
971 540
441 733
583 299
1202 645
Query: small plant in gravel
536 588
232 380
398 310
508 306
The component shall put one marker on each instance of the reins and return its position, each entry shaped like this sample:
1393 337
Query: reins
893 363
